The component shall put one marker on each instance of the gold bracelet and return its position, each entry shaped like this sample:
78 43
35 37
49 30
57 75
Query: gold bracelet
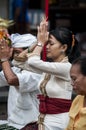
39 44
3 60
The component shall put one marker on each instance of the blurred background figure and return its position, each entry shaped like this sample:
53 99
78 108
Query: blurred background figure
81 37
5 24
25 115
20 16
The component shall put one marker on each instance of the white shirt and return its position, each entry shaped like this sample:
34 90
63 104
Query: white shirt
22 102
59 86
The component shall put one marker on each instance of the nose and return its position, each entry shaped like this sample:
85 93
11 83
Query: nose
47 46
72 82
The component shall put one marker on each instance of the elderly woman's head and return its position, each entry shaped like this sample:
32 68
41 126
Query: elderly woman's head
78 75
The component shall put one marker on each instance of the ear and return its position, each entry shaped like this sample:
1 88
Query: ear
64 47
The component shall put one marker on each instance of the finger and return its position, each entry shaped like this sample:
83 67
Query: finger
44 18
10 52
43 26
32 47
3 43
39 30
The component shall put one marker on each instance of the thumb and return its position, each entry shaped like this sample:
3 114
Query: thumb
11 51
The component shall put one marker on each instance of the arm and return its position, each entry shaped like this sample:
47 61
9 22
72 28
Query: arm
3 81
10 76
59 69
24 81
20 60
25 66
42 37
28 81
5 54
36 65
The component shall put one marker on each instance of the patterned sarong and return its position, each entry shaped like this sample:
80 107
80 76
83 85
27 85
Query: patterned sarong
6 127
31 126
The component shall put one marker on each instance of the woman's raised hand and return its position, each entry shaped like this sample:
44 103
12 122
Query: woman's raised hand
43 33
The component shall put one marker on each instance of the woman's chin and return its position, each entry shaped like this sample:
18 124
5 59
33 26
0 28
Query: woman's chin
48 56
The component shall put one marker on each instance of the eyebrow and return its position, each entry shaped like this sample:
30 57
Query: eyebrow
24 48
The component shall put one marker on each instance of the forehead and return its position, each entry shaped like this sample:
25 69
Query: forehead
17 49
53 39
75 69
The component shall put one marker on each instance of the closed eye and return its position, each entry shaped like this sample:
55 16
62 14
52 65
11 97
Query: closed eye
73 78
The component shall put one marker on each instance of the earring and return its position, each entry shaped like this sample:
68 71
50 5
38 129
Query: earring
62 51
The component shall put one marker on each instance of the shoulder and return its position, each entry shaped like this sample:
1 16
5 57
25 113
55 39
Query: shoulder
77 102
78 98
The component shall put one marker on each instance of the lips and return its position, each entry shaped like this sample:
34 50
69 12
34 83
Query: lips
47 51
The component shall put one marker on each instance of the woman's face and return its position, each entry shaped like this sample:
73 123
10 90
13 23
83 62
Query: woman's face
54 48
78 80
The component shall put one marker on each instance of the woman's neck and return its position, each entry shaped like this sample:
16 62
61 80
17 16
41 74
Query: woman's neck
59 59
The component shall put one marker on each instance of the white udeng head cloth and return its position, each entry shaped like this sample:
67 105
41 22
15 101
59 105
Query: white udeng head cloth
24 40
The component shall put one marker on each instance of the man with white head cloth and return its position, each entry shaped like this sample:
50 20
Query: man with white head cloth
22 101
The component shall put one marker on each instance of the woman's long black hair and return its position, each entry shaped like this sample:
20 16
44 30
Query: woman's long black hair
81 61
65 36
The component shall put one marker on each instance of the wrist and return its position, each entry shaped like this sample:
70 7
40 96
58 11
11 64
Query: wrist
39 44
3 60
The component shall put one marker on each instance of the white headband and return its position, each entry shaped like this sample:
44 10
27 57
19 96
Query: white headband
24 40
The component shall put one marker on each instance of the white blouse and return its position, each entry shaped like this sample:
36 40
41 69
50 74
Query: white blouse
59 85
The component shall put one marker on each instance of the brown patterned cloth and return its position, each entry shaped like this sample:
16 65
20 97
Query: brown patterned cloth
31 126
